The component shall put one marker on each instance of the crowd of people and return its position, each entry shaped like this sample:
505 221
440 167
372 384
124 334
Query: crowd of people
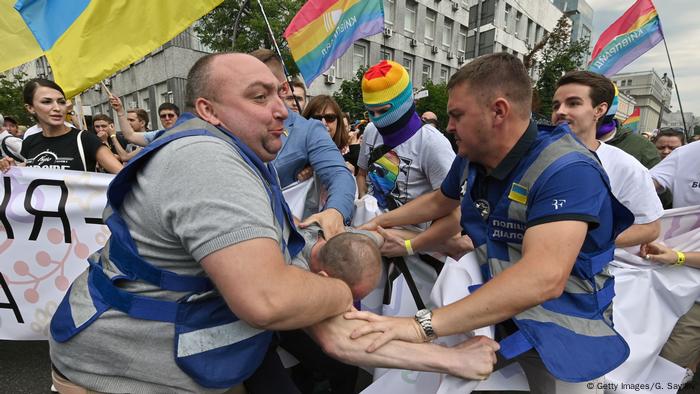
204 278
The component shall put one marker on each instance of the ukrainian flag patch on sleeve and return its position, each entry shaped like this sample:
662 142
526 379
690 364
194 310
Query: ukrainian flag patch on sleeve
518 193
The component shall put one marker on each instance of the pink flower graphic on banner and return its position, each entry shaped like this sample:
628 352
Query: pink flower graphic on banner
44 259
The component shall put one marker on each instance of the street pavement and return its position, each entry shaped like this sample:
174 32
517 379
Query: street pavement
25 367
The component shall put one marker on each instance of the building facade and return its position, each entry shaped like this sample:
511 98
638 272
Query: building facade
651 92
675 119
581 15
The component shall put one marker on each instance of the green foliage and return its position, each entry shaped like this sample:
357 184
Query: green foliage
216 29
11 102
349 96
435 102
557 57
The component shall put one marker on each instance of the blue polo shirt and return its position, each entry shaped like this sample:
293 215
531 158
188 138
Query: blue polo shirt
573 192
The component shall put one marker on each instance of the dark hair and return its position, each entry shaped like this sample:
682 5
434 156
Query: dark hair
103 117
271 60
602 89
297 83
11 120
141 114
497 74
169 106
198 79
671 132
349 257
31 87
321 102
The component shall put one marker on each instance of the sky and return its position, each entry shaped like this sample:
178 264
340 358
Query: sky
680 20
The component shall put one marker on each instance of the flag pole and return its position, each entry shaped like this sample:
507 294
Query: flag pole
277 48
673 75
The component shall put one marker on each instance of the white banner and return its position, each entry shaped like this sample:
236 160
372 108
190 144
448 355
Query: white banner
51 222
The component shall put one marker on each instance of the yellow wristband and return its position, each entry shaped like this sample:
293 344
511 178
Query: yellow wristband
681 258
112 136
409 248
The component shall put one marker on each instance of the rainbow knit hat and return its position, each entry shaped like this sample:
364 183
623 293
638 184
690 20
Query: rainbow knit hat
387 82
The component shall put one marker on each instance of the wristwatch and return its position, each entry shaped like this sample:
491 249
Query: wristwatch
424 317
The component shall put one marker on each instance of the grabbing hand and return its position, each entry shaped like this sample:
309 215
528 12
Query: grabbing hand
474 358
306 173
659 253
403 328
6 163
330 220
456 247
116 104
393 245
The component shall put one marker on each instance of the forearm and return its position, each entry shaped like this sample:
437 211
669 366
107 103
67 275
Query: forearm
341 193
106 160
125 126
638 234
433 239
333 335
692 259
121 152
430 206
299 299
361 180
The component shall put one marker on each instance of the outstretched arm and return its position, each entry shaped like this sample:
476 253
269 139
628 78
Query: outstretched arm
472 359
129 133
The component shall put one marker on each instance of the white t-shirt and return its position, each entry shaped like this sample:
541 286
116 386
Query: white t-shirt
631 183
417 166
680 173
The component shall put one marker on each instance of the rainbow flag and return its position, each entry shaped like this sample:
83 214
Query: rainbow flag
323 30
86 41
633 121
637 31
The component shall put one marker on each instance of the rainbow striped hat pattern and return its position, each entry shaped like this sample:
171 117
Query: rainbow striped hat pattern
387 82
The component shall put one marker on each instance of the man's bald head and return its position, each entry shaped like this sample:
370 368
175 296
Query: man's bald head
353 258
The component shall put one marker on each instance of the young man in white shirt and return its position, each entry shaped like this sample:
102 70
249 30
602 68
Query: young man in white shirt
587 101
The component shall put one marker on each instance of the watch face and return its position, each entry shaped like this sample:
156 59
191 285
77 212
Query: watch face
422 313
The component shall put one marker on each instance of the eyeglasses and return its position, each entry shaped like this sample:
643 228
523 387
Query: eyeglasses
329 118
167 116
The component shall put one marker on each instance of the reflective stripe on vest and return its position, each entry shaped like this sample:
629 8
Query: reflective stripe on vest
212 345
573 333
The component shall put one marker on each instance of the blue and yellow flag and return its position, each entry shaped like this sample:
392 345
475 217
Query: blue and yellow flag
86 41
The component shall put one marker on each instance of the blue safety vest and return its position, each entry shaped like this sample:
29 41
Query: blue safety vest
214 347
573 334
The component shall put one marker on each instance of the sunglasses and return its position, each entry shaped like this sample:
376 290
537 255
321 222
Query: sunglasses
327 117
167 116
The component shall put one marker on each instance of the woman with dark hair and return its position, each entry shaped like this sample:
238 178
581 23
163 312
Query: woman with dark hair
59 146
327 110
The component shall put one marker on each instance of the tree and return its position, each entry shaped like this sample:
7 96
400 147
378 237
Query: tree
558 56
11 101
349 96
435 102
227 28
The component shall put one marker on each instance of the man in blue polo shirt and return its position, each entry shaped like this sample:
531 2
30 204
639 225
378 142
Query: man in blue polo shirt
538 207
306 142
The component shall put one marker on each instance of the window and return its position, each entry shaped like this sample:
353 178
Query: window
444 74
427 74
462 48
167 97
518 18
430 17
623 83
508 10
410 16
389 11
629 82
447 33
359 56
386 54
408 65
